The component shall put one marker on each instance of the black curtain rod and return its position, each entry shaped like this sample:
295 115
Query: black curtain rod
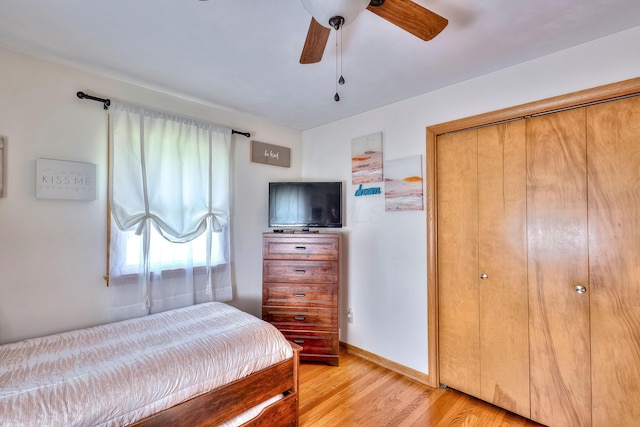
247 134
107 102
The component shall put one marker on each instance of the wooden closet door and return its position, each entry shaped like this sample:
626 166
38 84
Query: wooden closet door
458 298
504 314
483 336
614 239
558 263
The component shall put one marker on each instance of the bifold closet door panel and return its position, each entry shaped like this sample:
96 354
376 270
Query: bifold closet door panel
504 314
459 346
614 239
558 267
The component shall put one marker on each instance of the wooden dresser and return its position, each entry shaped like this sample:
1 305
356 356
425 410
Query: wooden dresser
300 288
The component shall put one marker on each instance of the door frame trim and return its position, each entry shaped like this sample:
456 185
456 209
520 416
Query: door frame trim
571 100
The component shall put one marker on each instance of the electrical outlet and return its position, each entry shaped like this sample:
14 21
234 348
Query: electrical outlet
350 315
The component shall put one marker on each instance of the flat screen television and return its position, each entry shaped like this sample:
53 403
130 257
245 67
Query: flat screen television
305 204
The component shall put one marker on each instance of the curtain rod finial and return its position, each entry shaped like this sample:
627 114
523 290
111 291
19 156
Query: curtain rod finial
105 102
247 134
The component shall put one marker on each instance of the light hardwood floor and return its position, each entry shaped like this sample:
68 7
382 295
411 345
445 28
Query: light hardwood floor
363 394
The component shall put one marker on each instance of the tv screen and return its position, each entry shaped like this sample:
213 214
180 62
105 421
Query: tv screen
305 204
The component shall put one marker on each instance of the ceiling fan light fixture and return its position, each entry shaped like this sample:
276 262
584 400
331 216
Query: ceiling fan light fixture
324 10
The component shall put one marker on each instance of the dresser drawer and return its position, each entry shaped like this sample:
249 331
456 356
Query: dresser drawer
299 247
300 271
301 295
292 318
318 343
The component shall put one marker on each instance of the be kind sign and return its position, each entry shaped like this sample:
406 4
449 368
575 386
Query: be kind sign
59 179
270 154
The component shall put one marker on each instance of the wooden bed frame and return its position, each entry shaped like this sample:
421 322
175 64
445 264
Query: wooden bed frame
222 404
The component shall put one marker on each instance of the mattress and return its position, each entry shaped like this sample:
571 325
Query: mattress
119 373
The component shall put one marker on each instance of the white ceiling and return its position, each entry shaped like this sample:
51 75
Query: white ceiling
244 54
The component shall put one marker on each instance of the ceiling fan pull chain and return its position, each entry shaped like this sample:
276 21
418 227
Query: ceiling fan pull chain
341 79
336 97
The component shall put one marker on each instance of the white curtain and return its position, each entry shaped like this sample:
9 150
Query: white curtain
169 198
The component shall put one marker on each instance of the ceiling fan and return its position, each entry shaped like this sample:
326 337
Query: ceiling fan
328 14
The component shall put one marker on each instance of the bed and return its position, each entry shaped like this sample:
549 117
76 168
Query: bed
208 364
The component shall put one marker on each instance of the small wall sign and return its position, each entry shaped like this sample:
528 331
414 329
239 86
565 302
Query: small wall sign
371 191
59 179
270 154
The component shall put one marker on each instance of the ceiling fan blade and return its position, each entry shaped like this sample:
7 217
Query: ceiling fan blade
315 43
411 17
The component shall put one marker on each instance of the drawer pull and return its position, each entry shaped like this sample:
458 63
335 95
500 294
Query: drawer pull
299 318
301 271
300 295
301 248
298 341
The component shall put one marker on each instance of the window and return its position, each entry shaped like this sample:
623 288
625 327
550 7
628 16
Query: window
169 201
165 255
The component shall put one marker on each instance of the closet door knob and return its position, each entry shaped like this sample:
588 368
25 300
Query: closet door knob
484 276
581 289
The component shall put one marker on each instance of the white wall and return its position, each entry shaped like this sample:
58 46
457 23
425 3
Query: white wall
52 253
385 278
